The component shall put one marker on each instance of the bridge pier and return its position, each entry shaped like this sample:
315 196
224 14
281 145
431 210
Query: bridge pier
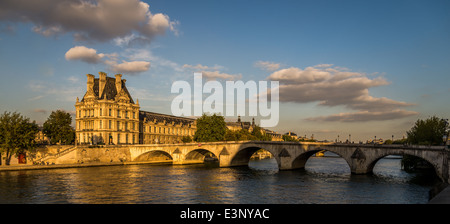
285 163
224 158
358 164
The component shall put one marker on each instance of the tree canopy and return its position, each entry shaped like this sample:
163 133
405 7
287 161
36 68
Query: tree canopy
210 128
424 132
242 135
427 132
58 128
17 134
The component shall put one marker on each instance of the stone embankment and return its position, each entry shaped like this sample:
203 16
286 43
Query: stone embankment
80 165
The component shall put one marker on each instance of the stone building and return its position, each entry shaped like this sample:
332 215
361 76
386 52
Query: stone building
162 128
107 114
249 126
275 136
239 124
41 138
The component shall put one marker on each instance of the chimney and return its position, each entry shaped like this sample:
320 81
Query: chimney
102 83
90 82
119 82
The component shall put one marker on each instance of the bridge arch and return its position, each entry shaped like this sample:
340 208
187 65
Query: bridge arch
372 163
155 155
199 155
242 157
300 161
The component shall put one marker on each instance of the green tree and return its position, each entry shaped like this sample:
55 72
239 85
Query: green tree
288 138
58 128
243 135
231 135
186 139
210 128
17 134
427 132
258 133
424 132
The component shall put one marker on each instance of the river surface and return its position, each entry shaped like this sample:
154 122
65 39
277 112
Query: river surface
324 180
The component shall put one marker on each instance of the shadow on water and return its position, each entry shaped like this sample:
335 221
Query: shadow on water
389 169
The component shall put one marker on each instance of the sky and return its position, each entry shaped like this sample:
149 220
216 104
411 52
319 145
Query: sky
353 69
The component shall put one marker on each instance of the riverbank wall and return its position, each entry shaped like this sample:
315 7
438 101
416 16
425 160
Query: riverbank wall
19 167
80 155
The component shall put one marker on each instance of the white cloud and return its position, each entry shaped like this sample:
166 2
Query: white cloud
362 116
48 31
267 65
147 55
100 20
90 55
334 86
125 40
212 73
130 67
218 75
297 75
85 54
323 65
201 67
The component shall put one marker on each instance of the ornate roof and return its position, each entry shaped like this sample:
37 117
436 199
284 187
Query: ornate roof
109 91
160 118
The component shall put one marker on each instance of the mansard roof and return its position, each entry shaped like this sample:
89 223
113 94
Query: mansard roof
110 91
160 118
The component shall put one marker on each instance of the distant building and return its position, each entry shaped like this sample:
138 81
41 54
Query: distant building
275 135
162 128
238 125
107 114
41 138
375 141
249 126
292 134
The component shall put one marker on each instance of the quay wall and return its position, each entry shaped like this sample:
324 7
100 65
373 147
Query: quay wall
103 154
82 154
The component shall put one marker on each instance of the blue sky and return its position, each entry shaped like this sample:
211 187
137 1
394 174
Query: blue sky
365 68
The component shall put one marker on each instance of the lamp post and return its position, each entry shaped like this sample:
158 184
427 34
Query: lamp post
349 138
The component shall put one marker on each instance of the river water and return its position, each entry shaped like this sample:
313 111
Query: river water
324 180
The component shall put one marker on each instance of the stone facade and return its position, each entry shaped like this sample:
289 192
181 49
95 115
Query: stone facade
238 125
166 129
245 125
41 138
107 114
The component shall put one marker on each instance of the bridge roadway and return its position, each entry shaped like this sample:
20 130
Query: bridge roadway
361 158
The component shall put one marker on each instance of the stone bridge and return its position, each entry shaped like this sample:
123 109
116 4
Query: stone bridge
361 158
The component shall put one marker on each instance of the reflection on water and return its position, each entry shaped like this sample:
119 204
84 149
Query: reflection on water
324 180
